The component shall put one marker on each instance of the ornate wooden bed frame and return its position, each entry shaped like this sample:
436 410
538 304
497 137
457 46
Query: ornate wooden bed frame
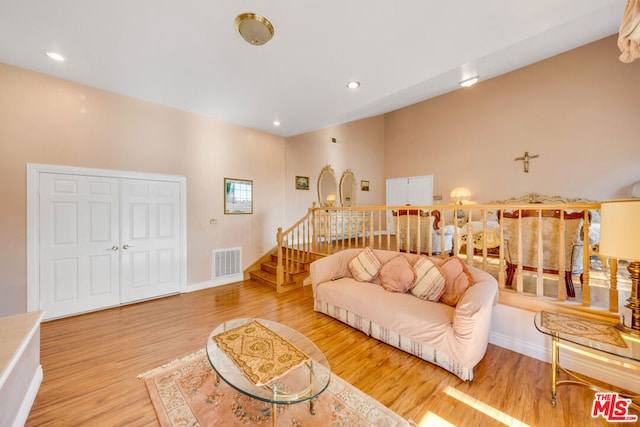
572 215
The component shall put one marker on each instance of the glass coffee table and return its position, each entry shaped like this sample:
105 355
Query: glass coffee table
600 341
302 384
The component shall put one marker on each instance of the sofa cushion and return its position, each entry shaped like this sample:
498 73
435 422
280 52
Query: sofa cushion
397 275
430 282
457 280
365 266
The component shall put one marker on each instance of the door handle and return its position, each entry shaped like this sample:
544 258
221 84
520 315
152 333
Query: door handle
113 248
125 247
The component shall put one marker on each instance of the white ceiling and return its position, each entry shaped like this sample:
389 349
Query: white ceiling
186 54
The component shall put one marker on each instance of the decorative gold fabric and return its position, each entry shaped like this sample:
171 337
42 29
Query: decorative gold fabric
550 242
260 353
629 35
427 233
596 331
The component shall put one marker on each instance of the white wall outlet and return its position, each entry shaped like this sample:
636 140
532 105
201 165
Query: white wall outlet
213 221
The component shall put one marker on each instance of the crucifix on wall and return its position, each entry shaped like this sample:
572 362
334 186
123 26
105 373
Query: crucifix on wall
525 159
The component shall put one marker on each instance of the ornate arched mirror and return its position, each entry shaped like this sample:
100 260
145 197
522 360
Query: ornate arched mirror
327 187
348 189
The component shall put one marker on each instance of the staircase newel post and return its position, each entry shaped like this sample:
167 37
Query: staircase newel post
280 266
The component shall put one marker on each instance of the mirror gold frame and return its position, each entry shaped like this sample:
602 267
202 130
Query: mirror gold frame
327 187
348 189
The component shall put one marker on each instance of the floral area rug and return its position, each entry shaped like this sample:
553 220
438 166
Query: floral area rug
183 393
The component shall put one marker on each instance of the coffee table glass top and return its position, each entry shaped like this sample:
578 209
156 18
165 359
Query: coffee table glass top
303 383
592 334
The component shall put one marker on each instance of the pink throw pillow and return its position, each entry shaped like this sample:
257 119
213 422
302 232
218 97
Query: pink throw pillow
397 275
457 280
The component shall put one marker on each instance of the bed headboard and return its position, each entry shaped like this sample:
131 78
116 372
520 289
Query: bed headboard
539 198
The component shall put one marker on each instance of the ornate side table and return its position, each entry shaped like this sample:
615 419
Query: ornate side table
597 340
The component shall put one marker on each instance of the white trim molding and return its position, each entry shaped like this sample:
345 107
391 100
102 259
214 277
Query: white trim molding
512 328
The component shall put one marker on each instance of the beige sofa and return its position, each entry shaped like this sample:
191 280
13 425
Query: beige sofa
454 338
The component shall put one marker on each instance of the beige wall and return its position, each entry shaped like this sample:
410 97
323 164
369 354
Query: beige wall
51 121
580 111
361 149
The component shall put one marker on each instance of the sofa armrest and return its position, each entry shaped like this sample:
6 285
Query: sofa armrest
325 269
472 317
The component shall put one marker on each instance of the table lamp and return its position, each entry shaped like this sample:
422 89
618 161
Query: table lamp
620 238
459 195
331 200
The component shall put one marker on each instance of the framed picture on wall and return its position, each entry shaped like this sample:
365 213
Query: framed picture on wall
238 196
302 182
364 185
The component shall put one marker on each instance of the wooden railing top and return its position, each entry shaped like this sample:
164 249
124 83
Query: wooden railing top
590 205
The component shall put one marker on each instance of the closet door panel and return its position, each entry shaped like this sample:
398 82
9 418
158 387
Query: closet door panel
150 237
79 265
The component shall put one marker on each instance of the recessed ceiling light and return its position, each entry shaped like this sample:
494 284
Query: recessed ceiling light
353 84
56 56
276 123
470 81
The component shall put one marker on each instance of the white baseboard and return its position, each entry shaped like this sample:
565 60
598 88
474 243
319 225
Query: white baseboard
519 346
538 347
29 398
213 283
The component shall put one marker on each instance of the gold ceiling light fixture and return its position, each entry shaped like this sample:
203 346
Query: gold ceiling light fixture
254 28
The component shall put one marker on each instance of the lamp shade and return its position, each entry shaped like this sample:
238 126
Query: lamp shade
620 229
459 194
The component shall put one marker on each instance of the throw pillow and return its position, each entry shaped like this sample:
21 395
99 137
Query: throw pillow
365 266
396 275
457 280
430 281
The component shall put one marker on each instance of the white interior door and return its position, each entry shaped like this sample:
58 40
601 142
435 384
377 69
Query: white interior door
414 190
150 238
99 238
421 190
78 248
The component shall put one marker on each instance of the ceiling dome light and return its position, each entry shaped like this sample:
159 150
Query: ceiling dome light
353 84
255 29
56 56
276 122
470 81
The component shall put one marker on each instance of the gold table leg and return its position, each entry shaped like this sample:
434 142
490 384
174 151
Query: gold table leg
274 414
554 368
274 407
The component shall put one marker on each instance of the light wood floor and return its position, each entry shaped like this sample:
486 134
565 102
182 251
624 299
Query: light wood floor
90 365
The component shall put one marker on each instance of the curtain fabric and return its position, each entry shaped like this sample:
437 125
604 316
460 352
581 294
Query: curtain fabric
629 36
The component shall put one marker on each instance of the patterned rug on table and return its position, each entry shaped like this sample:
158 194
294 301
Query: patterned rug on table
183 393
584 328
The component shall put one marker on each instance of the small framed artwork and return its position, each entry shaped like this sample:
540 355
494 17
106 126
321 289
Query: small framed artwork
364 185
238 196
302 182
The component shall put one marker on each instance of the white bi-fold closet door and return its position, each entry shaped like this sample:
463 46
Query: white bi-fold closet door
414 190
103 241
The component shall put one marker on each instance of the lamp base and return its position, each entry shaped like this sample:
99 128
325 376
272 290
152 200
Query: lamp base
633 301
